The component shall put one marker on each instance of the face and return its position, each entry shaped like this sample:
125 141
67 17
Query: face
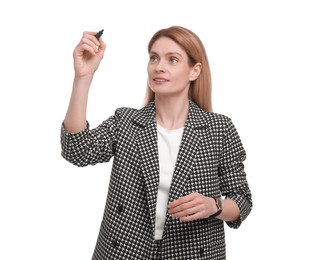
168 69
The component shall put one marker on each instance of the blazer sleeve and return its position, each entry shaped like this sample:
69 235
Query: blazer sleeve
233 180
90 147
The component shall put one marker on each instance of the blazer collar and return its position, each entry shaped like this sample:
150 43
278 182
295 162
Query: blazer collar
145 115
196 116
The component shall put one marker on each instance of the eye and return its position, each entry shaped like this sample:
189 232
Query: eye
152 58
173 60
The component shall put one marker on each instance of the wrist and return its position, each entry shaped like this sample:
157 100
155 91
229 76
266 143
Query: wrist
218 204
85 77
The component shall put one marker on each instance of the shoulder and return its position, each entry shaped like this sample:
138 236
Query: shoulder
201 118
217 118
125 114
224 125
138 115
218 123
215 123
125 111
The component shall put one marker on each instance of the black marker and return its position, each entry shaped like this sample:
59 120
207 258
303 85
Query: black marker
99 34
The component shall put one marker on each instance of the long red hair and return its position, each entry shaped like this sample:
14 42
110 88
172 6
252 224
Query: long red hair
200 89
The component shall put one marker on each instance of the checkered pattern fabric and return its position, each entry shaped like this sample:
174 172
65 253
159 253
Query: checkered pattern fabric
210 161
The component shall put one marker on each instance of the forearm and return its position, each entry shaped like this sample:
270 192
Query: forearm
230 210
75 119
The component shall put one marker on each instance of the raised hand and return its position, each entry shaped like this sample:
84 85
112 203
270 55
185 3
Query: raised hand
88 54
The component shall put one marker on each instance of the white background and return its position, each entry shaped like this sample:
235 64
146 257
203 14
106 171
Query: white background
262 59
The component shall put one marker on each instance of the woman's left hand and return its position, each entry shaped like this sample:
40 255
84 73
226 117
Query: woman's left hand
192 207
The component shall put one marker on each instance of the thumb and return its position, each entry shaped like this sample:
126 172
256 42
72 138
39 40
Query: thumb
102 46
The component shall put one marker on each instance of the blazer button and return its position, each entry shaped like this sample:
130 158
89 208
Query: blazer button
120 209
114 243
202 252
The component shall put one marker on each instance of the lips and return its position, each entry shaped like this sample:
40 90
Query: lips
158 79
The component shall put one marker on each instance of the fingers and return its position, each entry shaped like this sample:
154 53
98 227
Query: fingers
191 207
183 208
90 44
187 211
183 200
102 45
195 216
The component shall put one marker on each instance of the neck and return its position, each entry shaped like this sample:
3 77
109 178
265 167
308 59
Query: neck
171 113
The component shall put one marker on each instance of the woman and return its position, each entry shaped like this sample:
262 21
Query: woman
174 159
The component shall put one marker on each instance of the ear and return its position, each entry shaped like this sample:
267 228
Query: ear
195 71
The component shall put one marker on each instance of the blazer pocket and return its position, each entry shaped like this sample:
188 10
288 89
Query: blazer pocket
216 250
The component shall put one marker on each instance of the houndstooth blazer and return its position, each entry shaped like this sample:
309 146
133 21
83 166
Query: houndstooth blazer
210 161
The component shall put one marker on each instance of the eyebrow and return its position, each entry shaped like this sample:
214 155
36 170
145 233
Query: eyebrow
168 53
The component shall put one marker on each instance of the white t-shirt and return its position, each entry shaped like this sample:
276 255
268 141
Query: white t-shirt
168 148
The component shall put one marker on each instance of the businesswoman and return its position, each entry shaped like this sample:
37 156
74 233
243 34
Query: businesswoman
178 172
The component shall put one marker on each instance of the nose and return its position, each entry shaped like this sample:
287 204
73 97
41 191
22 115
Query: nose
160 67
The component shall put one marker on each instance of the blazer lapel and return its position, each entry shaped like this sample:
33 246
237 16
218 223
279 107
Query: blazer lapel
187 152
191 141
148 152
